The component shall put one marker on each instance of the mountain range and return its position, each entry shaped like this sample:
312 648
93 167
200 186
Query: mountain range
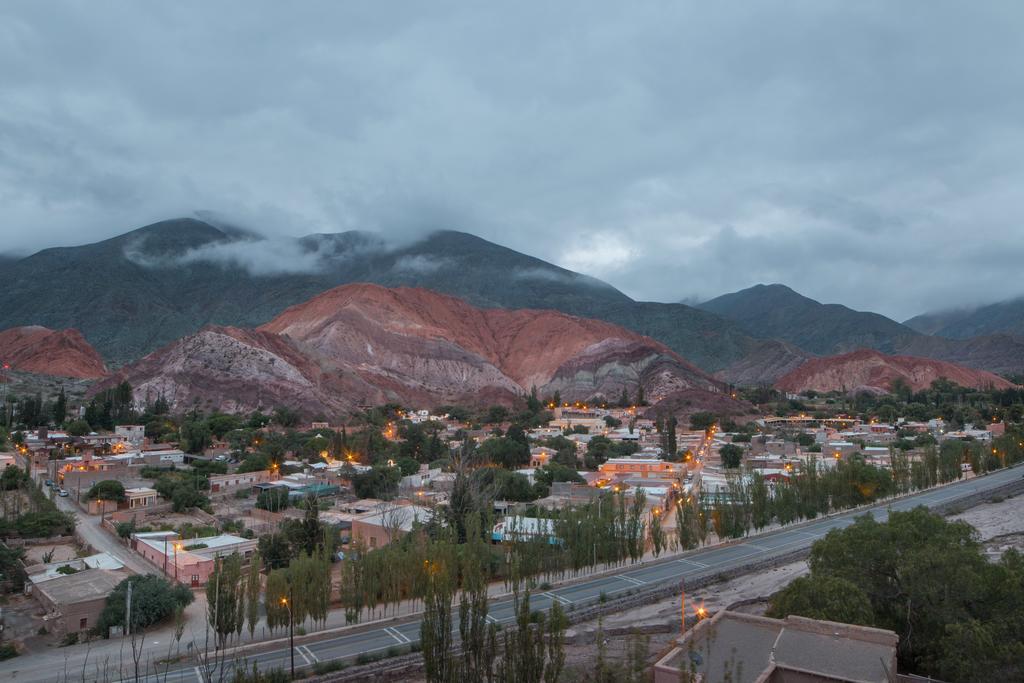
875 372
38 350
1006 317
778 313
366 345
140 291
133 293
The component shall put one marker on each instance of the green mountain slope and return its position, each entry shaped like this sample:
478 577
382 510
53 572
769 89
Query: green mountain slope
1005 317
777 312
136 292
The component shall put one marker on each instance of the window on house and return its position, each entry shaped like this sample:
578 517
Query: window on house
373 541
195 578
83 623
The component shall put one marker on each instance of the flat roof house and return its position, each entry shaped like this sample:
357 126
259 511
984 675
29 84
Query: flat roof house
141 497
74 602
388 523
745 648
189 560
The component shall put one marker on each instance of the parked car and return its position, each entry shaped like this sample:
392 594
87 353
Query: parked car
62 493
49 482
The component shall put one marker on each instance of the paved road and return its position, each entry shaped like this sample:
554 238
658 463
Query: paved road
693 565
88 529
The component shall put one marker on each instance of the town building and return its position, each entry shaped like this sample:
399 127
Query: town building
133 434
140 498
523 528
646 465
244 480
191 560
746 648
388 522
73 602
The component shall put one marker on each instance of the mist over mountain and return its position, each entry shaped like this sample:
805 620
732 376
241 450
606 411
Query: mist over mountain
141 290
1006 317
134 293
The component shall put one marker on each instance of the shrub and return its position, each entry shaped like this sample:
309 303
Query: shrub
321 668
275 499
8 650
153 600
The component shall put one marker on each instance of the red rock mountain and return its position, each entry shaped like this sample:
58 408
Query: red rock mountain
43 351
871 370
366 344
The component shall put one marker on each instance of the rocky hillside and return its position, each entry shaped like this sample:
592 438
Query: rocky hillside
869 370
39 350
767 361
366 344
167 280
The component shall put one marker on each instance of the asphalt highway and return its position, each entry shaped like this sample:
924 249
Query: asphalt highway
692 565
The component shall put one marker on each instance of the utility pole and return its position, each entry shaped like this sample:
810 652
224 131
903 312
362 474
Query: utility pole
128 611
682 602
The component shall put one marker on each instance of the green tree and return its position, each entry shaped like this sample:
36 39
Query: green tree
195 436
823 597
108 489
78 428
225 597
702 420
273 499
436 626
732 455
60 407
154 599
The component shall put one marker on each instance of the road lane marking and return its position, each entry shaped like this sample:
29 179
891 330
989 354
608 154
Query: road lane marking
760 547
199 675
402 640
696 564
303 655
636 582
492 619
309 652
557 598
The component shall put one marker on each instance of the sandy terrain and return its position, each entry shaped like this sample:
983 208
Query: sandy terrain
62 552
1000 525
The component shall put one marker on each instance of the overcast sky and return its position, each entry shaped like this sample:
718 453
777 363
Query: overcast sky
865 153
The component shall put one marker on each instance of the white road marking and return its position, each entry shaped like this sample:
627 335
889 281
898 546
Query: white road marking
637 582
303 655
310 653
396 635
696 564
199 675
557 598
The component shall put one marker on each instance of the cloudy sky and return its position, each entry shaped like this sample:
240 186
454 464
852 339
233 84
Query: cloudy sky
866 153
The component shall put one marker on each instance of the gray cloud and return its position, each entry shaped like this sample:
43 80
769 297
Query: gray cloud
864 153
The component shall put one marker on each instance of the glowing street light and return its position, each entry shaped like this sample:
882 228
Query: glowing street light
291 630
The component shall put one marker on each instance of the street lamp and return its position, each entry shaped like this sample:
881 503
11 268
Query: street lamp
177 547
291 631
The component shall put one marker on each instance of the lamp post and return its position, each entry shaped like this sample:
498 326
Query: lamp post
291 631
177 547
